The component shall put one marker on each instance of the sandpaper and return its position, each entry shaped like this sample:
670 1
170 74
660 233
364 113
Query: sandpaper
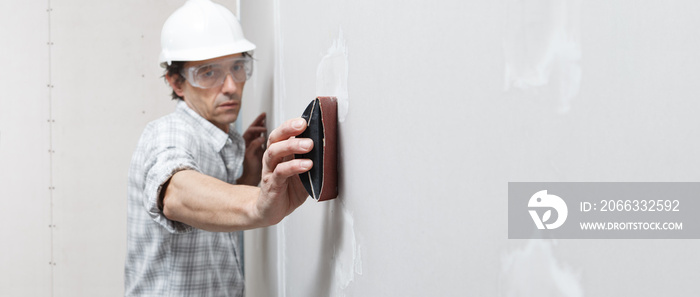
321 181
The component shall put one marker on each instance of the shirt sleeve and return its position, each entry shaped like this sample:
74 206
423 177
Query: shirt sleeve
168 153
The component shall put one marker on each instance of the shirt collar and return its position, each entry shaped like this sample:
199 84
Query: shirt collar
216 136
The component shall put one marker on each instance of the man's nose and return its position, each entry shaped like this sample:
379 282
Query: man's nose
229 85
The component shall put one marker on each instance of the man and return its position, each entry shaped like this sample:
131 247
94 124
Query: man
193 179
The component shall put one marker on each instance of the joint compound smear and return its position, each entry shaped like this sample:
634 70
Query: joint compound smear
542 46
347 256
332 75
534 271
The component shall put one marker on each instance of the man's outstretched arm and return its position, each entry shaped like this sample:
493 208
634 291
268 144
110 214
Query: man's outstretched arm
210 204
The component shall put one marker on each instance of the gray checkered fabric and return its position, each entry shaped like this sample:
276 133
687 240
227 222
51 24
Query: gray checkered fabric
167 258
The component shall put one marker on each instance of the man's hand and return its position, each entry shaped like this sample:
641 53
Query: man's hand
281 189
210 204
254 138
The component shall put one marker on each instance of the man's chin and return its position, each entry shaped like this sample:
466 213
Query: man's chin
229 117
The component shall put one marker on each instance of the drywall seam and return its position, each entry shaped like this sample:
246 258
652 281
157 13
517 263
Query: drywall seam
278 100
332 75
281 260
238 10
542 46
279 84
332 80
52 226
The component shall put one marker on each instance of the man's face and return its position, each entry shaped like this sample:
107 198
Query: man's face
220 104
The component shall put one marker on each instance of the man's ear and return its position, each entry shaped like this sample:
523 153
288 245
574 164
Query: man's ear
172 81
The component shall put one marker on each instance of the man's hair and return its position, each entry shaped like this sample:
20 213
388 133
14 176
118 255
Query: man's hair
175 69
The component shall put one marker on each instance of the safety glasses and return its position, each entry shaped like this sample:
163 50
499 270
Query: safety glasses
213 75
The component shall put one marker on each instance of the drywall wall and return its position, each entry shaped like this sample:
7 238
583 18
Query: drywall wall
24 153
445 103
448 101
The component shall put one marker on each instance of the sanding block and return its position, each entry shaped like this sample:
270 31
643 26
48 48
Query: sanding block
321 181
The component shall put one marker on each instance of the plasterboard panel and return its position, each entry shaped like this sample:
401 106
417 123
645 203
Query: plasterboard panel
24 143
437 127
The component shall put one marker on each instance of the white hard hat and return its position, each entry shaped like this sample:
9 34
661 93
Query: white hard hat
201 30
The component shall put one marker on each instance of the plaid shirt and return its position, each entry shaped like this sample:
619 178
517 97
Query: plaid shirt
168 258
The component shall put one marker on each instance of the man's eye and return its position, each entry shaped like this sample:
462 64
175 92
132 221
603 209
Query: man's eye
209 72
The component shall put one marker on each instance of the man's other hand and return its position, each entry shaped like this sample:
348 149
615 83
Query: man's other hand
254 138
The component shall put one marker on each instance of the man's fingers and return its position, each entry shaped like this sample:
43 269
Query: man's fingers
290 168
290 128
256 128
258 142
255 131
256 145
260 120
276 152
